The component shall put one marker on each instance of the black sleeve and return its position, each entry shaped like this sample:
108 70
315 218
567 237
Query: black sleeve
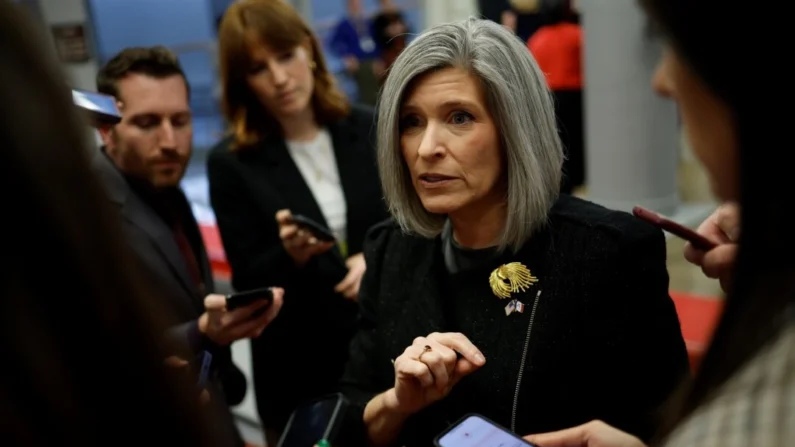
636 334
367 372
250 233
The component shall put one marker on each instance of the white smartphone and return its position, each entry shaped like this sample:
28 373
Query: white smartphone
101 109
474 430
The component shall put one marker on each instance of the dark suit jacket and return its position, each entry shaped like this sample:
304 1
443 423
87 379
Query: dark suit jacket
302 353
156 248
604 341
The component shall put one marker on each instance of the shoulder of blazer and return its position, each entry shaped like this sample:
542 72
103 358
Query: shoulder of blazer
221 151
387 248
223 162
623 229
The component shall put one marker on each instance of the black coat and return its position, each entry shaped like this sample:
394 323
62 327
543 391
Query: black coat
302 353
159 256
604 341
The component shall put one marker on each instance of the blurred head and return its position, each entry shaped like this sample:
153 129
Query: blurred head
737 131
154 139
560 11
707 121
81 332
466 123
273 70
355 7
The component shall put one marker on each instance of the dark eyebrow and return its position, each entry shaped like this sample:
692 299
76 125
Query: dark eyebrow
458 103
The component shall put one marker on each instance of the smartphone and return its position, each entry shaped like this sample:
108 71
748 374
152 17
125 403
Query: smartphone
313 421
474 430
201 366
698 241
243 299
102 109
319 231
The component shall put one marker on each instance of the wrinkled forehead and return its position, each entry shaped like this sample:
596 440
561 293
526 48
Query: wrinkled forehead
443 86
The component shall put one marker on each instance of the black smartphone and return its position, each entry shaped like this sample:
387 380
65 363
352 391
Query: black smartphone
319 231
102 109
315 420
243 299
201 368
474 430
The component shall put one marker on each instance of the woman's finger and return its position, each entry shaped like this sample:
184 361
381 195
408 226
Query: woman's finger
448 356
301 240
461 344
728 220
288 232
284 216
718 261
406 366
435 362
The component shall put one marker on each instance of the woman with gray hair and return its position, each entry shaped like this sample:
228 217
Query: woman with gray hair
488 292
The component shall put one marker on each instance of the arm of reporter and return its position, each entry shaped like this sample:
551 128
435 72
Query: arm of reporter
369 370
383 419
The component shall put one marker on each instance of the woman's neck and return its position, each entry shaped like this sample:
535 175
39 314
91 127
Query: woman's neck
479 228
300 127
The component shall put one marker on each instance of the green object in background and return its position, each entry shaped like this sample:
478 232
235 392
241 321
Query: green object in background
323 443
343 246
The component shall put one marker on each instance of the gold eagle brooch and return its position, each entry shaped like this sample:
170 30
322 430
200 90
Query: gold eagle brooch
510 278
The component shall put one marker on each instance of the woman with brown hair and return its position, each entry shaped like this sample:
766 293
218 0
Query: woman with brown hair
297 147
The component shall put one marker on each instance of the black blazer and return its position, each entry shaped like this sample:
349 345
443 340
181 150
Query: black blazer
604 341
247 188
154 244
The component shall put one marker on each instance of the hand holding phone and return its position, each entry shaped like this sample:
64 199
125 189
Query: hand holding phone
299 240
698 241
224 326
319 231
243 299
475 430
592 434
723 225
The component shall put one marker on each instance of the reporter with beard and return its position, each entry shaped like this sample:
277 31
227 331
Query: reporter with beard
141 164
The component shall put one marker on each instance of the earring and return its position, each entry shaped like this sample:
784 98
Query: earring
312 65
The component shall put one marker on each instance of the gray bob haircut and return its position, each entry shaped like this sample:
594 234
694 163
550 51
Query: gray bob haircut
519 102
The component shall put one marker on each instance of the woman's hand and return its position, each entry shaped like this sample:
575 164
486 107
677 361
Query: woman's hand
349 286
300 245
429 368
592 434
723 227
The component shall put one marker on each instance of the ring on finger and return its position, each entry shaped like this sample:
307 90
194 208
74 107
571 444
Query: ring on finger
426 348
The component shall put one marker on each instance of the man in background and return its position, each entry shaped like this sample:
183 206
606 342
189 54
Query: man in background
142 162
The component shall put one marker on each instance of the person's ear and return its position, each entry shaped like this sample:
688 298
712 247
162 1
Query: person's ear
106 134
311 57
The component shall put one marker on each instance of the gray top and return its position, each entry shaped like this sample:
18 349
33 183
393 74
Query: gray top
458 258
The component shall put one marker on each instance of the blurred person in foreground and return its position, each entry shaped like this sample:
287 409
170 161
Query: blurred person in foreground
490 292
297 146
744 392
141 164
81 337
